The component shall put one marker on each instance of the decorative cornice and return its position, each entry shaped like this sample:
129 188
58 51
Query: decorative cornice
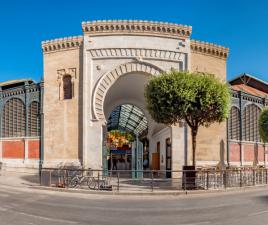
209 49
61 44
136 53
140 27
20 90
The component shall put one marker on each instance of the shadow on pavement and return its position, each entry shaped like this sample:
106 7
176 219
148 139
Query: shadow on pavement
262 198
31 179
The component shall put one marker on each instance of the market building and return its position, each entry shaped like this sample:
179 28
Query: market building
249 98
20 123
94 84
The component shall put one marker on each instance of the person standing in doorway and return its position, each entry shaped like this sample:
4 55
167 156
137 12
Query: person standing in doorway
114 164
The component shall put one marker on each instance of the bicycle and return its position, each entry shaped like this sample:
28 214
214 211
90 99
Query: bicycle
99 184
93 183
78 180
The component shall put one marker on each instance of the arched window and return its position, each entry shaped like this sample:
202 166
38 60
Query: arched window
67 87
250 123
13 120
234 124
34 119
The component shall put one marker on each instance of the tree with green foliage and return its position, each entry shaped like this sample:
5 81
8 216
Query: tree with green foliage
263 125
200 99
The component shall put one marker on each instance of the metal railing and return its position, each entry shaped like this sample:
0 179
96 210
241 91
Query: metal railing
151 180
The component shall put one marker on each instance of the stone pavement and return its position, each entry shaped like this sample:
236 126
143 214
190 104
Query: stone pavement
18 179
28 181
21 207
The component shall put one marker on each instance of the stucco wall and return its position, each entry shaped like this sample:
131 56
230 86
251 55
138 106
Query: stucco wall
61 117
209 139
207 63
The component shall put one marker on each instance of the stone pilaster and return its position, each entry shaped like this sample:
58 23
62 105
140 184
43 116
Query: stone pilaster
265 156
1 110
26 150
1 150
242 154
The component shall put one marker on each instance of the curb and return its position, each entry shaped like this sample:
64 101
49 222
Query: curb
156 193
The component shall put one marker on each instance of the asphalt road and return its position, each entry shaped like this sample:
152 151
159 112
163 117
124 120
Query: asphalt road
21 207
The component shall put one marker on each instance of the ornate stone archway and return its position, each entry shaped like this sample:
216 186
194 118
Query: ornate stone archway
110 78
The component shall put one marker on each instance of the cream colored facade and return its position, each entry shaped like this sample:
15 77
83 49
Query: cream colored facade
110 64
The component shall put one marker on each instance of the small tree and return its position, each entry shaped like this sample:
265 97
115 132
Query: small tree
198 98
263 125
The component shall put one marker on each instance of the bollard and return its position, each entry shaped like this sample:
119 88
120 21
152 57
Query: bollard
118 181
241 184
185 182
207 180
152 181
98 180
266 176
224 179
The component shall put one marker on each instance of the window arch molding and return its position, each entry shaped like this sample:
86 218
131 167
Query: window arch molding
251 103
20 97
70 74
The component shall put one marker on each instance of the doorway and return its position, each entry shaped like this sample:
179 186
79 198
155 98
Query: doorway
127 129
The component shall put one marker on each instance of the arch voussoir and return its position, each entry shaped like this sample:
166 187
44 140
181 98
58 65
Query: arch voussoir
110 78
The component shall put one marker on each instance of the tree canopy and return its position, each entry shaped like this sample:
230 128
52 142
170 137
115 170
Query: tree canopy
198 98
263 125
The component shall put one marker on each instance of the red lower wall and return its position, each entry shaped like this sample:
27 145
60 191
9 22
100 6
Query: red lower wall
248 153
248 150
15 149
261 153
34 149
234 152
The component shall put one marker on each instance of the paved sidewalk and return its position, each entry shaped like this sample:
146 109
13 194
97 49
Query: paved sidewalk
30 181
18 179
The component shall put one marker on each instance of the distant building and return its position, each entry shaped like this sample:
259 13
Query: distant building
20 123
250 96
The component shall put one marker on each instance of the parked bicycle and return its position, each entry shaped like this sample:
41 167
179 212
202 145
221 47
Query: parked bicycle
94 183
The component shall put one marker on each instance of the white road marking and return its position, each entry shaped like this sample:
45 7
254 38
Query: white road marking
5 208
198 223
48 218
258 213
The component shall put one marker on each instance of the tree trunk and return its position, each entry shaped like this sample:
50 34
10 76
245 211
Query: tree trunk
194 134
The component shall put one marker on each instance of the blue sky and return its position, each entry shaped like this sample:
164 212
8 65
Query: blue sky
241 25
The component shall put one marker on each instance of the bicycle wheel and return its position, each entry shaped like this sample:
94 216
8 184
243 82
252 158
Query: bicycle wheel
91 183
74 182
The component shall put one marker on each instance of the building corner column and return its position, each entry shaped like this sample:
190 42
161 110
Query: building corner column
1 114
26 150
